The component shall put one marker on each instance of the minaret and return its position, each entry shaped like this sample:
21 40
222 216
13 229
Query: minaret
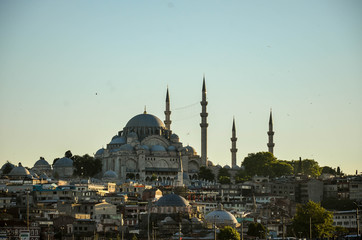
233 149
271 134
167 112
204 125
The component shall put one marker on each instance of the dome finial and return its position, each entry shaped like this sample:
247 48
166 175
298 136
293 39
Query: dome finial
145 112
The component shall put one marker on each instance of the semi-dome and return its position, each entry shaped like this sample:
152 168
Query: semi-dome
227 166
145 120
118 140
110 174
158 148
100 151
41 163
64 162
221 218
126 147
173 200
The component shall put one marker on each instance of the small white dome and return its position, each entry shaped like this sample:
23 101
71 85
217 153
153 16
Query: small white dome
221 218
64 162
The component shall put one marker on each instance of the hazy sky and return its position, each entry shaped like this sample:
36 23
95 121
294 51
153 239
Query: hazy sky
72 73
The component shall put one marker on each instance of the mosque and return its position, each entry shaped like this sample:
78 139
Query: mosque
147 147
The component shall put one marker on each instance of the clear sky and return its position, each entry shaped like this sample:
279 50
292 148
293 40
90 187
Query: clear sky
72 73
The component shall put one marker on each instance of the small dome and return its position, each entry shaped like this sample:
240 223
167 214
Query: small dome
100 151
41 163
110 174
118 140
20 171
190 150
145 120
209 163
158 148
64 162
11 165
126 147
227 166
174 138
218 166
173 200
236 167
171 148
221 218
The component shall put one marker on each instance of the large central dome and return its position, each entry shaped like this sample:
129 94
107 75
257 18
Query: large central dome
145 120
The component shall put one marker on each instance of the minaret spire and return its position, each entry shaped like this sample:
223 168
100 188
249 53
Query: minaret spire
233 145
167 112
204 124
271 134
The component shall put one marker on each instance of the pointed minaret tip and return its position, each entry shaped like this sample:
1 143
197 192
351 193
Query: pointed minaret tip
145 112
270 118
167 96
233 123
203 84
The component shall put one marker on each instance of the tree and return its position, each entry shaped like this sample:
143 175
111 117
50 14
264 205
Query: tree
241 176
328 170
7 168
206 174
313 214
86 166
257 230
338 204
223 176
153 177
307 167
228 233
224 180
68 154
265 164
281 168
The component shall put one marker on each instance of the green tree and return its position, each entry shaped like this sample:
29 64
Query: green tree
153 177
224 180
313 214
328 170
223 176
206 174
86 166
134 237
281 168
338 204
68 154
228 233
307 167
265 164
257 230
241 176
8 167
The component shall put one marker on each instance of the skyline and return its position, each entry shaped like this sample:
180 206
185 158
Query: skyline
73 74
